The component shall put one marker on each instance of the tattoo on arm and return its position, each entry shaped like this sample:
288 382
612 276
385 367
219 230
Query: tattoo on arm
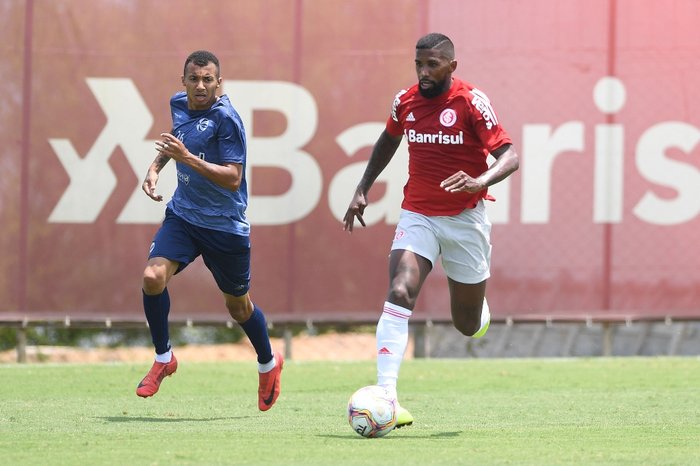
160 161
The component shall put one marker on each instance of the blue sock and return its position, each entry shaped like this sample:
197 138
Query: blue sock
256 329
157 308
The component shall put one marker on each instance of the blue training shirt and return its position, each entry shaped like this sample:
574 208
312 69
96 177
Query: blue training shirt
217 136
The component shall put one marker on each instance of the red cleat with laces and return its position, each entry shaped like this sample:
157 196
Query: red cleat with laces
269 384
151 383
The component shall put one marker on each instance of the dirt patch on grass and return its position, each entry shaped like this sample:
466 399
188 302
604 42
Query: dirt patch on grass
336 346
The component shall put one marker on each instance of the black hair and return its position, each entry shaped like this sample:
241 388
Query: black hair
202 58
435 40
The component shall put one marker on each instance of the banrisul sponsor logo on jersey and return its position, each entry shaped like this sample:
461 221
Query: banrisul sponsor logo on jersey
448 118
414 136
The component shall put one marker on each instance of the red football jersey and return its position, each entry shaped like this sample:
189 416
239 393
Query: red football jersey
453 131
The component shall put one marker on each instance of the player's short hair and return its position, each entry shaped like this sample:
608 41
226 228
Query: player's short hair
435 40
202 58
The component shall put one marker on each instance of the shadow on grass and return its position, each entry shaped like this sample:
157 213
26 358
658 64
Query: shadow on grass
168 419
403 434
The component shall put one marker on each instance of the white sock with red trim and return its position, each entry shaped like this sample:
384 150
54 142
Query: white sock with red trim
392 339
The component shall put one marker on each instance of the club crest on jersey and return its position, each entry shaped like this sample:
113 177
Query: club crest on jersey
483 105
203 124
448 117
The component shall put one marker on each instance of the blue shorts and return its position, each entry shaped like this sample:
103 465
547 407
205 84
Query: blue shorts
226 255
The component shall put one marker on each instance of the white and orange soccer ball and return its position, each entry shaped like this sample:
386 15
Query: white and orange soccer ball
372 411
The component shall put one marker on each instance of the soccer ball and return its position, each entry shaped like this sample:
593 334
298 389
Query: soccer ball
372 411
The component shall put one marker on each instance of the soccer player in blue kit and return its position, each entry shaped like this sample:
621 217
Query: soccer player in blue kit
206 216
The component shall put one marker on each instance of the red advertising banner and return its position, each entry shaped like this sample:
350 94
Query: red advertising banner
599 96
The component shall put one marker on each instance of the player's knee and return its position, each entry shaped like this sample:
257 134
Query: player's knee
238 314
400 295
239 309
153 282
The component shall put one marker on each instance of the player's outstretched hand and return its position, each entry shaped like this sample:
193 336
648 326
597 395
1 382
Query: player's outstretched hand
356 209
461 182
149 186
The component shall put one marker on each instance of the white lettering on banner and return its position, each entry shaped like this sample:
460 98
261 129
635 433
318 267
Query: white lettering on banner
681 177
542 144
541 147
129 121
284 151
609 95
91 178
394 176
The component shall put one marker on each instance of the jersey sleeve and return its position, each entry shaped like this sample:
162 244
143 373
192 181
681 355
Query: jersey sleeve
231 137
485 123
393 123
393 127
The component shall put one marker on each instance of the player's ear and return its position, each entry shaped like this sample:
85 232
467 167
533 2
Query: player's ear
453 65
218 82
183 79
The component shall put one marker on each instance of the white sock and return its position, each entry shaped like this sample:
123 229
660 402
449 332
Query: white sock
165 357
392 339
268 366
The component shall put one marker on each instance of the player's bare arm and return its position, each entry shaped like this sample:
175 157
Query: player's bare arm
382 153
228 176
151 180
507 162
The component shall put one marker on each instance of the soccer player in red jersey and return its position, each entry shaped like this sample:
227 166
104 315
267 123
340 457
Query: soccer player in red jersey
451 128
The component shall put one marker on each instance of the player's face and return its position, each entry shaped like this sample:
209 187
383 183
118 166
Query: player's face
201 83
434 72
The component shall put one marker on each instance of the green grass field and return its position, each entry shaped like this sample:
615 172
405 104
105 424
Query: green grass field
636 411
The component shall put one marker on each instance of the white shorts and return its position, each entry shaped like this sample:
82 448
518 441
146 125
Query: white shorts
463 241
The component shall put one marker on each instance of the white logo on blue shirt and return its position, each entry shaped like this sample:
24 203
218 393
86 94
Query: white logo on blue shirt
202 124
184 177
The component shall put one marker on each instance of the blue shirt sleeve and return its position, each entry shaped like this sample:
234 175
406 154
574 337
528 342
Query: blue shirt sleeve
232 146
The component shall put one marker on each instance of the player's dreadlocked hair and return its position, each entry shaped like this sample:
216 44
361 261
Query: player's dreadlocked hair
202 58
435 40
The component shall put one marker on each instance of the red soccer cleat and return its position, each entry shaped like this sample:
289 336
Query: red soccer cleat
269 385
151 383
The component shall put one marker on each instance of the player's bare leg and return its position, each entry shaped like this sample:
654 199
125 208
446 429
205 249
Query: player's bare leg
470 312
407 272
